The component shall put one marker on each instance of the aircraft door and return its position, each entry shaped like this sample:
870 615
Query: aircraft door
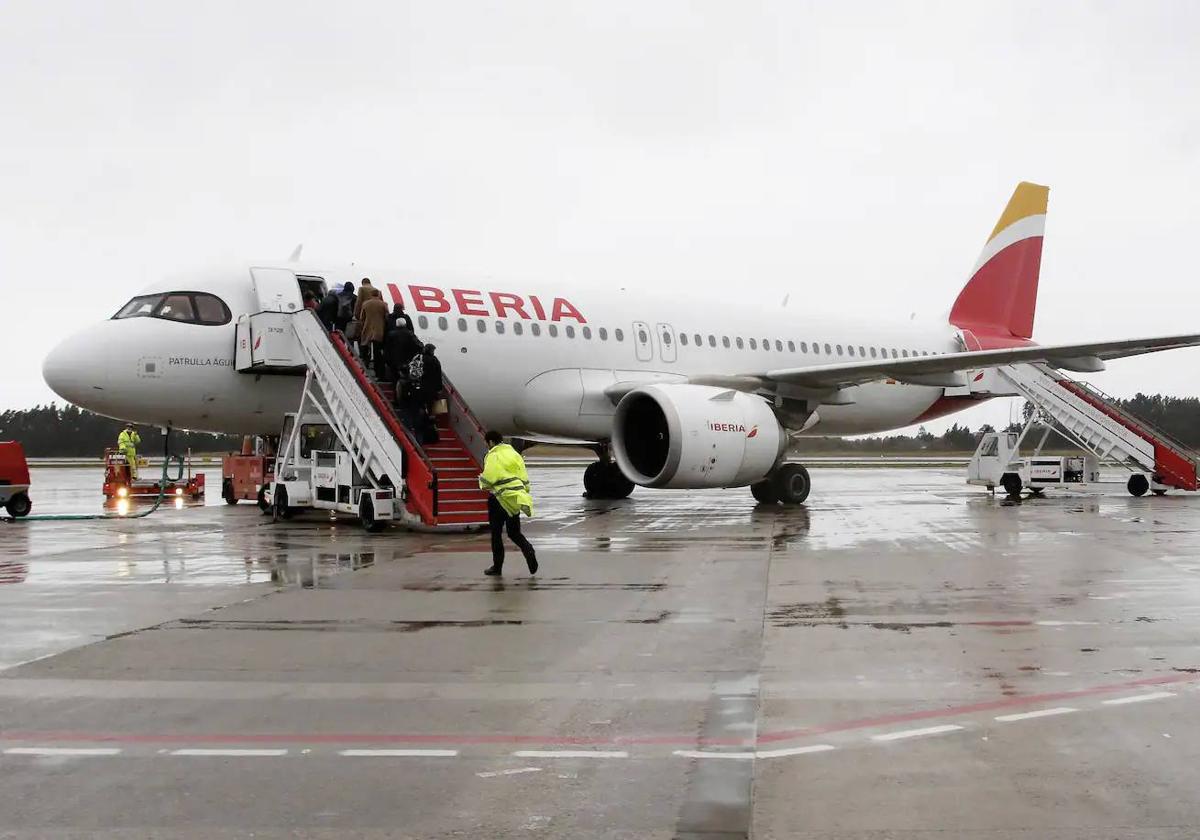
276 289
666 342
642 342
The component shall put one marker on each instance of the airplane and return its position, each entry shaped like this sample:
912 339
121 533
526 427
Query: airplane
672 392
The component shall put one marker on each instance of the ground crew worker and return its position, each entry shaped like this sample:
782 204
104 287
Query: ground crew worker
127 444
505 478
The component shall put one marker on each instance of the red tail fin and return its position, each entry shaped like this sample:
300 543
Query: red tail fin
999 300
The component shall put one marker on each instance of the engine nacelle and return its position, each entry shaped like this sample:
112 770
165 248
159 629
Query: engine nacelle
692 436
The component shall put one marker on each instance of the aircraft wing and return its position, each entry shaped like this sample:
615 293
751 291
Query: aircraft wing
946 369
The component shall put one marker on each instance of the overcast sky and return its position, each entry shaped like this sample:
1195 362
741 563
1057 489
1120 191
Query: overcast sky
855 155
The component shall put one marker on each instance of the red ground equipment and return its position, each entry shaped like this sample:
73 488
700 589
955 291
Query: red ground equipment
14 479
246 475
118 485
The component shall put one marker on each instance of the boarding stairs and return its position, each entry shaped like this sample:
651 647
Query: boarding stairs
438 482
1095 422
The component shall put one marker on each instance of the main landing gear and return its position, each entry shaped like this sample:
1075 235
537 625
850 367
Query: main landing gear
604 479
787 484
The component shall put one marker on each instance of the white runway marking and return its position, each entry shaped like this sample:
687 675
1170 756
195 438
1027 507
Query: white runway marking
398 753
490 773
1138 698
231 753
1065 623
1061 710
783 753
713 754
571 754
916 733
62 751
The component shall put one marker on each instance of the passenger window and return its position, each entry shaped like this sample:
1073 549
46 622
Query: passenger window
570 331
587 332
481 325
872 352
443 323
904 353
851 349
553 330
603 333
712 340
619 334
766 344
176 308
741 345
828 351
462 324
779 345
791 347
894 354
754 344
725 341
803 346
500 328
423 322
517 328
642 337
535 328
839 350
699 340
683 339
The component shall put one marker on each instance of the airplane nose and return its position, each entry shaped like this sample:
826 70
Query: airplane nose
75 369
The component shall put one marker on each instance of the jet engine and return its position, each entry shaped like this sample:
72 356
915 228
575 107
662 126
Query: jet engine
692 436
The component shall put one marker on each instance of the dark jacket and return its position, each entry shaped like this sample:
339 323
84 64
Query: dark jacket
328 309
431 380
400 317
399 346
347 301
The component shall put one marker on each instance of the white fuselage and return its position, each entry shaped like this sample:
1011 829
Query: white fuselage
497 345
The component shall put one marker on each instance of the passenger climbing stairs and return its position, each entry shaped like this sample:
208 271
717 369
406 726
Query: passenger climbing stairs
1099 425
437 481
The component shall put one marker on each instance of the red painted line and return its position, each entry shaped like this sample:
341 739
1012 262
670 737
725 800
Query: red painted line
549 740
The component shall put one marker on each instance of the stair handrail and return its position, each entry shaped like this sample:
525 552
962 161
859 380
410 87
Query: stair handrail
412 450
1155 434
474 443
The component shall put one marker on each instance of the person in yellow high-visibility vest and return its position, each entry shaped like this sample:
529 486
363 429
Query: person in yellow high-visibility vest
127 444
505 478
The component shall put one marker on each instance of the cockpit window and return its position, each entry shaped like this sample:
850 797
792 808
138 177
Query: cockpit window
185 307
176 308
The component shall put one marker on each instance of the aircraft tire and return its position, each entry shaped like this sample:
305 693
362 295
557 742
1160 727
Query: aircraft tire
617 485
593 481
764 492
791 484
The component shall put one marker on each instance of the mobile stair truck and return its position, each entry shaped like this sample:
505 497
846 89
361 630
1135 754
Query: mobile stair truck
1095 423
345 449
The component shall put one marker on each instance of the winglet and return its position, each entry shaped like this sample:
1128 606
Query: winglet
295 257
1000 299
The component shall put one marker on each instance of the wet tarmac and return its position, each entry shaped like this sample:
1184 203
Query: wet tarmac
902 657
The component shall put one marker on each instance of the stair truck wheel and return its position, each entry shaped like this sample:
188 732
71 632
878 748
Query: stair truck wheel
1157 492
1138 485
1011 482
227 492
263 505
19 505
366 515
281 509
764 492
791 484
617 485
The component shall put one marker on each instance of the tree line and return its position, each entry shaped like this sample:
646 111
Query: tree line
53 431
67 431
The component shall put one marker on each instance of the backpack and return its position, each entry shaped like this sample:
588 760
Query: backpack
345 306
416 368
